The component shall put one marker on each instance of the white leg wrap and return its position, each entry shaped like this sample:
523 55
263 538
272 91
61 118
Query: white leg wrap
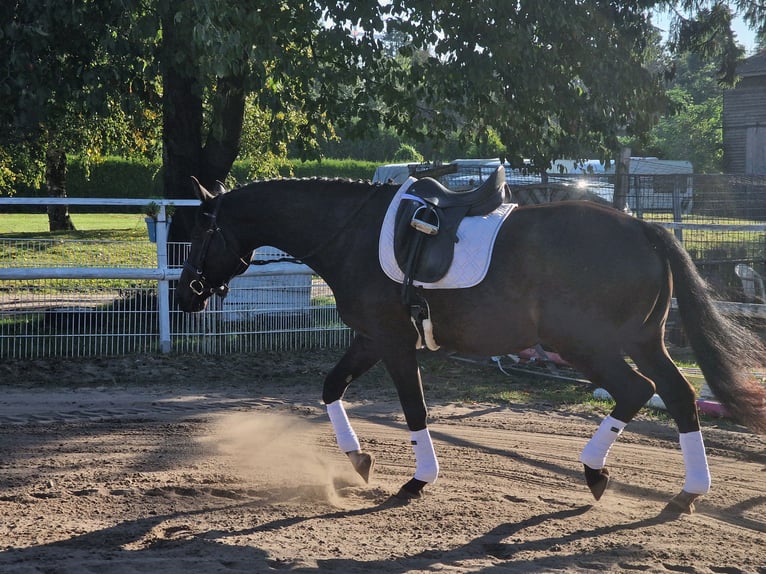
426 465
344 434
695 461
595 452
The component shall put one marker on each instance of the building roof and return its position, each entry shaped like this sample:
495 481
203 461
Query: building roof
753 66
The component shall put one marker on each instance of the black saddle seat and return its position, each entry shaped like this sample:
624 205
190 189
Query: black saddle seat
479 201
427 220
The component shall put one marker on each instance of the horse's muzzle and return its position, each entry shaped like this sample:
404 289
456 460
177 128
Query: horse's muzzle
192 304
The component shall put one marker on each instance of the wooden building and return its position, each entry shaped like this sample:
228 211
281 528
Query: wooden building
744 119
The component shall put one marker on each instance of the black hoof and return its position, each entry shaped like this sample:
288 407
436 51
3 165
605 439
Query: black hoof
597 480
682 503
413 489
363 463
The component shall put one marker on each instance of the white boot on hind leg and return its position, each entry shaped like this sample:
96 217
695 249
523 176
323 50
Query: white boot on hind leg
695 461
426 464
697 480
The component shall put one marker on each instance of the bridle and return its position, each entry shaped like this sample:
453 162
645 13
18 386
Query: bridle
199 284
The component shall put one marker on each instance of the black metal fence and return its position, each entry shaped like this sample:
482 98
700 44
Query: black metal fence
720 219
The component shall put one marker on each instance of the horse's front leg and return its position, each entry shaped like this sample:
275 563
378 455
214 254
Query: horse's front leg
403 367
358 359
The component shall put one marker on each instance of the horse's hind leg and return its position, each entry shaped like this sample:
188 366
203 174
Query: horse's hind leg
358 359
680 401
630 391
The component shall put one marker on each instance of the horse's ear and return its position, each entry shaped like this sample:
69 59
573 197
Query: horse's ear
202 193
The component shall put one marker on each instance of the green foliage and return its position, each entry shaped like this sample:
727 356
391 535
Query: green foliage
709 34
695 133
383 145
535 80
152 209
20 168
487 144
137 178
407 153
554 79
375 143
110 177
265 156
693 130
75 81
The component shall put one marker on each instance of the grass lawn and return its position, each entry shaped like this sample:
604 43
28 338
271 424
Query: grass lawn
100 240
34 224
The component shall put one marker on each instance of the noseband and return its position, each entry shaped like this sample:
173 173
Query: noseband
199 284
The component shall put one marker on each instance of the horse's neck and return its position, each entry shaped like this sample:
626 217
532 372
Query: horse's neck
308 221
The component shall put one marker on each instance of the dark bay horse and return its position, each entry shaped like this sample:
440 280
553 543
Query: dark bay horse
589 281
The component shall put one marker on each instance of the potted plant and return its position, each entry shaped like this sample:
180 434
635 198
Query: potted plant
152 211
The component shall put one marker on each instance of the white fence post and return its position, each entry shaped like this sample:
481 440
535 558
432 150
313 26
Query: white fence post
163 285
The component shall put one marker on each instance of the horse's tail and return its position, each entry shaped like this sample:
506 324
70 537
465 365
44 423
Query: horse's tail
725 350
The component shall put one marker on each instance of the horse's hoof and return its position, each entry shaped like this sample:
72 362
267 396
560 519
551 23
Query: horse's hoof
412 490
363 463
682 503
597 480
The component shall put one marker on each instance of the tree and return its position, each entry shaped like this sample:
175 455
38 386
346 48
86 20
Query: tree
549 78
693 129
552 78
65 88
544 78
216 53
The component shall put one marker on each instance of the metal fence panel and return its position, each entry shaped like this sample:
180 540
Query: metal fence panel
68 318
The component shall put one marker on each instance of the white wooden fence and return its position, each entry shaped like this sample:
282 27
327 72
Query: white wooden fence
53 311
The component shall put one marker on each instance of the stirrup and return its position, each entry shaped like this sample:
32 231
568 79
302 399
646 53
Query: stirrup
422 225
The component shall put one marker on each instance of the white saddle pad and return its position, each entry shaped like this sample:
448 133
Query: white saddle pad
473 251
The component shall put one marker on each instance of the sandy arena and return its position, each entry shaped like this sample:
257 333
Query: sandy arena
231 477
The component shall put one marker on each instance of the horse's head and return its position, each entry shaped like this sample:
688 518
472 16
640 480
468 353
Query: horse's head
215 256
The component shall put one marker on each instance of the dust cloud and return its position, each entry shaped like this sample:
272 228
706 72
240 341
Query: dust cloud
285 454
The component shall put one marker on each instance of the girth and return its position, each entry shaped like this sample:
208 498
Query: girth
427 222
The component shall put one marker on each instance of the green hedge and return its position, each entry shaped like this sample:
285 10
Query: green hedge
345 168
115 177
119 177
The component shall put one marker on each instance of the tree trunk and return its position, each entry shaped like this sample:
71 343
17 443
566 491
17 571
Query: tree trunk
182 147
55 176
223 142
183 152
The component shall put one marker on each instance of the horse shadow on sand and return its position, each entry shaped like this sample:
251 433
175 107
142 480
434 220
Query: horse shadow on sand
134 545
493 545
158 543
